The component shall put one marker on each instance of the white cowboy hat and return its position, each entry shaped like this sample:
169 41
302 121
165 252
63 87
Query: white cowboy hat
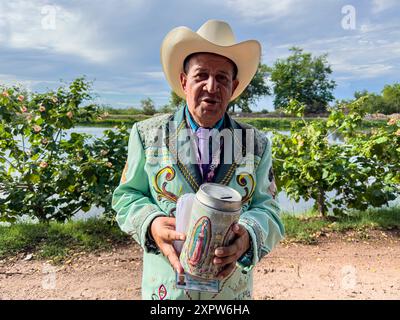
214 37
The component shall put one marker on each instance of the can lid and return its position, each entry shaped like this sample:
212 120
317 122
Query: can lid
219 196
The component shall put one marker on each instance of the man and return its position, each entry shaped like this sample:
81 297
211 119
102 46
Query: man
209 69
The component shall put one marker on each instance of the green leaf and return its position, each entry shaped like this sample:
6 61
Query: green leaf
381 140
33 178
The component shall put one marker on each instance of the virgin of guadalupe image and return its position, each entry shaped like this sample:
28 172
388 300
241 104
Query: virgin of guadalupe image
200 241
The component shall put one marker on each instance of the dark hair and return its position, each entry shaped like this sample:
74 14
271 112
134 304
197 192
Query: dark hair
187 60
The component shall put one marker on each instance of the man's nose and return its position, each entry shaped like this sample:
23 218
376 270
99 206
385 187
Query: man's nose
211 85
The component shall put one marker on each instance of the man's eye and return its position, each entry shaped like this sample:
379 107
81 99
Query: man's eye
201 76
222 78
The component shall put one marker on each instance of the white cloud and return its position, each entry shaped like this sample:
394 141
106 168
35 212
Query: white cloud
155 75
29 84
363 55
361 71
36 25
382 5
121 39
263 9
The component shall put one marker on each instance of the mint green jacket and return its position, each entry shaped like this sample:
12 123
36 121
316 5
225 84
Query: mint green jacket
158 172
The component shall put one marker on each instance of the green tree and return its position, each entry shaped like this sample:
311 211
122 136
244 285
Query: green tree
167 108
176 101
304 78
373 103
147 106
391 98
387 102
257 88
359 94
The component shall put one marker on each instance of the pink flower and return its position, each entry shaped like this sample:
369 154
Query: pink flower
45 141
300 141
5 94
43 165
109 164
21 98
70 114
42 108
391 122
24 109
397 133
37 128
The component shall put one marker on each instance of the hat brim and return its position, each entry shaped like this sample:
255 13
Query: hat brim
181 42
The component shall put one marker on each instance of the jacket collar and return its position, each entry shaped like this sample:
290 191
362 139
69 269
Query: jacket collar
183 152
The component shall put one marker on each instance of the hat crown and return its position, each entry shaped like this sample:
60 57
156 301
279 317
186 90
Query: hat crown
217 32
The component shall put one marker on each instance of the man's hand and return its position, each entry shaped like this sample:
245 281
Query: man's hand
162 230
227 256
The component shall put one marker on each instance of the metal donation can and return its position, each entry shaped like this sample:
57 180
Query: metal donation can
215 209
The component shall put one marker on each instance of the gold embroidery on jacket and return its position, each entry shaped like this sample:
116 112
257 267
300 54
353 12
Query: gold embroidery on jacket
242 181
162 192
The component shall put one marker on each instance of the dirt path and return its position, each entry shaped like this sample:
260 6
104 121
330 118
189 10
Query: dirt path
339 267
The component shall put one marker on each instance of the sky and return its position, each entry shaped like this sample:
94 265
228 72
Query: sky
116 43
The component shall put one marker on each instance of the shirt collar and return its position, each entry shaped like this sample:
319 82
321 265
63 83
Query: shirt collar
195 126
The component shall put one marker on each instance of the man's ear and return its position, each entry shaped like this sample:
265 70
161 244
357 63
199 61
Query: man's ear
235 83
183 79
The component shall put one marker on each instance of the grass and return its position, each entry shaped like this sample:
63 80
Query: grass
308 227
57 242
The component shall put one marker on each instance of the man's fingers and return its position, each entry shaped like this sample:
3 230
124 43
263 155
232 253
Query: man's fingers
170 253
226 271
170 221
226 251
233 248
225 261
171 235
239 229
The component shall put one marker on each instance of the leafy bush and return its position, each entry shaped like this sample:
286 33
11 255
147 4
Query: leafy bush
364 170
45 174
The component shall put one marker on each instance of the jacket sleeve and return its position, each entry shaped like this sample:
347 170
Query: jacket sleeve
262 219
132 200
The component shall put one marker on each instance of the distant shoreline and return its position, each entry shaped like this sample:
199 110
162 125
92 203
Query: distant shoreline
258 122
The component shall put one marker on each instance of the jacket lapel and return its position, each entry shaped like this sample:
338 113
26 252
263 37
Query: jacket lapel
183 151
179 141
227 167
